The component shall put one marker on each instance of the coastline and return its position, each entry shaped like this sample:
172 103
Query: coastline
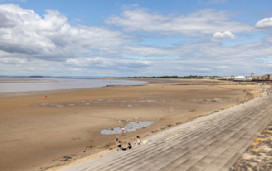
192 101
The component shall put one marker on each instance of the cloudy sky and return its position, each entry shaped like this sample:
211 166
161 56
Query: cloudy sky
135 37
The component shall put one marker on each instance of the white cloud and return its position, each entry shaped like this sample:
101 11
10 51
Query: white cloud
223 35
148 51
266 22
108 63
51 36
193 59
207 21
13 60
268 39
48 45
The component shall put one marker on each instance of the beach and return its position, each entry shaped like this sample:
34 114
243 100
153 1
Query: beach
47 129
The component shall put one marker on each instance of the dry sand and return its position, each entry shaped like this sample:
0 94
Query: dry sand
39 133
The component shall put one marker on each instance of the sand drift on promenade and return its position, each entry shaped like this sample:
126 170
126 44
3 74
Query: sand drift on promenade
40 133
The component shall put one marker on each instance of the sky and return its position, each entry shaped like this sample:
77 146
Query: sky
127 38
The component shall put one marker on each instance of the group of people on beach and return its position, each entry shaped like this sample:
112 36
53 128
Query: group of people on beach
119 144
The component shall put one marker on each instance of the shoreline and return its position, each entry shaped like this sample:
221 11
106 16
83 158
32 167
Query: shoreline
82 121
61 84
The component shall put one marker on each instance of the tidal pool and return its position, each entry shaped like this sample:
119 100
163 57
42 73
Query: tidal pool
131 126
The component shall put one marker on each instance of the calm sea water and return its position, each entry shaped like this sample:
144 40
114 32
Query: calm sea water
43 84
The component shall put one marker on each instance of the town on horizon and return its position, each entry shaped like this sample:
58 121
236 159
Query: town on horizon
252 77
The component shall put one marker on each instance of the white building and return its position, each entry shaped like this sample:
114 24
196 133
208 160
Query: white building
239 78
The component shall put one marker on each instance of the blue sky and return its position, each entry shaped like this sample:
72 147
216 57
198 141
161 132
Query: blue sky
135 38
95 12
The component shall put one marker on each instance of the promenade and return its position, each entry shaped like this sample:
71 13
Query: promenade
209 143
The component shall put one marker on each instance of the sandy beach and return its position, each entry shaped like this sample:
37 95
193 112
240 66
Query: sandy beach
41 133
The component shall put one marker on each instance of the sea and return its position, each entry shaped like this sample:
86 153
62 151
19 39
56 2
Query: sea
43 84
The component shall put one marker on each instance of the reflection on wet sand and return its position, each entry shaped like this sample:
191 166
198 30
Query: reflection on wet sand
131 126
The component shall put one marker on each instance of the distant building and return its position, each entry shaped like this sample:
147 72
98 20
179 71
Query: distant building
249 78
225 78
239 78
267 77
259 77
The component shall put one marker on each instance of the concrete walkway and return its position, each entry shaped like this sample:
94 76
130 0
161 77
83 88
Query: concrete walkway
211 143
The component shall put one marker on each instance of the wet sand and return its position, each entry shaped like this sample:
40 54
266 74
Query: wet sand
39 133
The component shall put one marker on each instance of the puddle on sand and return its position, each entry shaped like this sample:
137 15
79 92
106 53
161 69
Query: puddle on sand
131 126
